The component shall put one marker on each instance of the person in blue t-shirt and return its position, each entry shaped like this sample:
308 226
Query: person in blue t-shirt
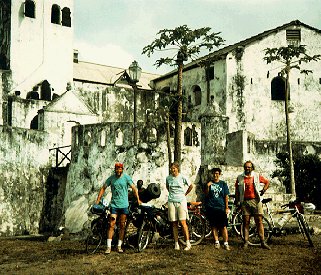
216 206
119 183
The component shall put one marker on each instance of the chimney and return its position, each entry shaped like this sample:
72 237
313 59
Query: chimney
76 54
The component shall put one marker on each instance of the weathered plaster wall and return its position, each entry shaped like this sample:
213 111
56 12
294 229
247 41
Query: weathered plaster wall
23 171
116 103
5 80
93 161
40 50
214 130
242 90
60 115
23 111
59 125
243 145
261 115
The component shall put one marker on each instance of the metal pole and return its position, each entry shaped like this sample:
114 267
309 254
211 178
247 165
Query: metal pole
135 113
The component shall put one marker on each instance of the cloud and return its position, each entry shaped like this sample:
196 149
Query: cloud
108 54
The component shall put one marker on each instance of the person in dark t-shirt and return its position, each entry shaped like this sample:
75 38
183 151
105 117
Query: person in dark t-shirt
216 205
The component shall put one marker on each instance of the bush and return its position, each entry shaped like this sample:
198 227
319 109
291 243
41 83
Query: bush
306 173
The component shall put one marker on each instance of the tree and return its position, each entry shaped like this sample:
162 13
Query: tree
291 57
187 44
307 170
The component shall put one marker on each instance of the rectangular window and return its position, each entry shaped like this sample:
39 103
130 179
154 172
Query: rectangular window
293 37
210 73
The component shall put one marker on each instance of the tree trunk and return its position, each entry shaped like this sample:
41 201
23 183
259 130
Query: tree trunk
178 120
168 138
288 135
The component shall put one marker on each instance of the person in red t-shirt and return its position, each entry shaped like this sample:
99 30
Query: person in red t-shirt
248 193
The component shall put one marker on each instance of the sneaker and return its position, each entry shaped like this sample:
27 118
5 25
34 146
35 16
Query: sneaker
265 246
227 247
188 247
108 250
217 245
119 249
245 245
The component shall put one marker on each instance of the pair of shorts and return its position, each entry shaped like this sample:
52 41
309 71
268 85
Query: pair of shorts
216 217
252 207
177 211
119 211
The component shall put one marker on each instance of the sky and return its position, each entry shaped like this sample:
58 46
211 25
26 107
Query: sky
114 32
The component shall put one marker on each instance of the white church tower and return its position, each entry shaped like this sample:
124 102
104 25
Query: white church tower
36 46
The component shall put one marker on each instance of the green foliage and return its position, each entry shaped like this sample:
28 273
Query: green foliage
185 42
291 56
239 82
238 53
307 176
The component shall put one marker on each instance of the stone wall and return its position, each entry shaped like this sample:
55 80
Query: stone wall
23 172
23 111
93 161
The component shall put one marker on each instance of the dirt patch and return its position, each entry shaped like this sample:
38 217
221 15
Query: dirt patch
289 254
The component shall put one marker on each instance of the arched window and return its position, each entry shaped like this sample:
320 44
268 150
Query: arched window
34 123
55 14
188 138
87 138
196 141
197 95
32 95
119 138
152 136
45 91
30 9
278 86
103 138
66 19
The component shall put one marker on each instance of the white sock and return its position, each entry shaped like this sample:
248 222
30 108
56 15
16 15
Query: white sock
109 242
188 243
120 242
176 244
217 242
225 243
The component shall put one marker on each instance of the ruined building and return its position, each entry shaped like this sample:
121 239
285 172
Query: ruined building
64 122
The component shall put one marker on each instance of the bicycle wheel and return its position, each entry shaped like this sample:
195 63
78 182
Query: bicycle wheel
94 239
254 238
196 229
237 223
304 228
145 233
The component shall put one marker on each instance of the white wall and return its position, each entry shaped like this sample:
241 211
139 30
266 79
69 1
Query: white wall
39 49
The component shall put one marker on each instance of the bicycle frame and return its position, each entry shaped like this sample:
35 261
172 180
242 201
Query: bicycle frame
273 229
99 227
234 217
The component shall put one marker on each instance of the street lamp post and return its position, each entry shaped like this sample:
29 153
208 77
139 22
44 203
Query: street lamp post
134 75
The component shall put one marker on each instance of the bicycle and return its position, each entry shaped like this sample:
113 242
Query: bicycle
234 218
155 220
271 228
99 227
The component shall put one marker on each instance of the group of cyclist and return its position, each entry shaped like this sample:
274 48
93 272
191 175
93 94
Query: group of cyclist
248 192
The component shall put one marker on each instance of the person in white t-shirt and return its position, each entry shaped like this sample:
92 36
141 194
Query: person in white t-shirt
178 187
